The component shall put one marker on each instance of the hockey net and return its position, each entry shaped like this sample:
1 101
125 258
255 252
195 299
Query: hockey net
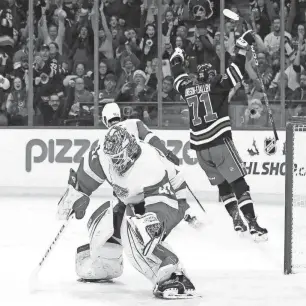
295 197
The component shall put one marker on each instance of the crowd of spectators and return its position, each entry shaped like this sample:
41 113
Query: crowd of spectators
63 70
265 19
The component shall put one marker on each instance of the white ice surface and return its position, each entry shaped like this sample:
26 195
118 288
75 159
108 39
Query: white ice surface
226 270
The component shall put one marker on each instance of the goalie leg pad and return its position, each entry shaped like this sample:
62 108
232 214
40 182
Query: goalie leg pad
100 227
148 229
169 263
159 265
108 265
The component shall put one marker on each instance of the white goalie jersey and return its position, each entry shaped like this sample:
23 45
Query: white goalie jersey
152 178
136 128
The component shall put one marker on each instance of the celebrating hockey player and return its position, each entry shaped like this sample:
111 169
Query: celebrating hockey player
155 198
111 115
210 131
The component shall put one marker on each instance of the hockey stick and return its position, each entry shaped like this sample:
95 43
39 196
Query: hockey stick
48 251
201 206
231 15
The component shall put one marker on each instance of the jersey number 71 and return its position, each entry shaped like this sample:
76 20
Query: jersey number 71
194 102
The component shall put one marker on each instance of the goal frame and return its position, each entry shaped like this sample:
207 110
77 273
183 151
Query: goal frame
289 191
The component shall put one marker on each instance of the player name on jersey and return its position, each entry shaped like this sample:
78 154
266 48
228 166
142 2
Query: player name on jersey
197 89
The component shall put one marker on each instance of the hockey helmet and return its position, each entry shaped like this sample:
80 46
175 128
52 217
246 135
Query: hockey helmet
121 147
111 114
206 72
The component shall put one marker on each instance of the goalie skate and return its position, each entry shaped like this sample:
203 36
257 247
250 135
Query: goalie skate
177 287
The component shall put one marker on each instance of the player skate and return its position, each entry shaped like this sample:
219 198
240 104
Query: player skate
192 220
121 160
258 233
233 210
210 130
238 223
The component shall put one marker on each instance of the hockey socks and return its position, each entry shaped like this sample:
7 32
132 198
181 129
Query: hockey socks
230 203
245 204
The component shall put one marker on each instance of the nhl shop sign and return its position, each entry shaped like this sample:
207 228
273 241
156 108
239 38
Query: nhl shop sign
267 157
270 145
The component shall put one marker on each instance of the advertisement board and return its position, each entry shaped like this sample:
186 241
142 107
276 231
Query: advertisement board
38 161
263 157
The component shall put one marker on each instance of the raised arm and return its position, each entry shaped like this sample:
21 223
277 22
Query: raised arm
260 44
104 23
4 83
61 27
236 69
148 136
43 29
291 16
297 61
270 9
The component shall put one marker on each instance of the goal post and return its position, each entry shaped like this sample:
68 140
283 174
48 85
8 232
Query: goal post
295 197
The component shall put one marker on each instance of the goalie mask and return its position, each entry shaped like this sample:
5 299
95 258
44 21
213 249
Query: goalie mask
206 72
201 9
121 147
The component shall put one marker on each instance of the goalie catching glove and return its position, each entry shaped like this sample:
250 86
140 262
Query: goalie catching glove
73 201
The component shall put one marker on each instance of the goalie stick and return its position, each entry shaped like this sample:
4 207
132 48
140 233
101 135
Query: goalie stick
231 15
59 234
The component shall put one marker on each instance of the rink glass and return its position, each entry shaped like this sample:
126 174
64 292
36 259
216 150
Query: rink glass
173 114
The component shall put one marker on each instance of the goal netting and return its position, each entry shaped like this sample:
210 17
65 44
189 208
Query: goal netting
295 197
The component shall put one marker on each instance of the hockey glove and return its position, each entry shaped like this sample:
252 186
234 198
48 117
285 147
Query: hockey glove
178 57
173 158
73 201
247 39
